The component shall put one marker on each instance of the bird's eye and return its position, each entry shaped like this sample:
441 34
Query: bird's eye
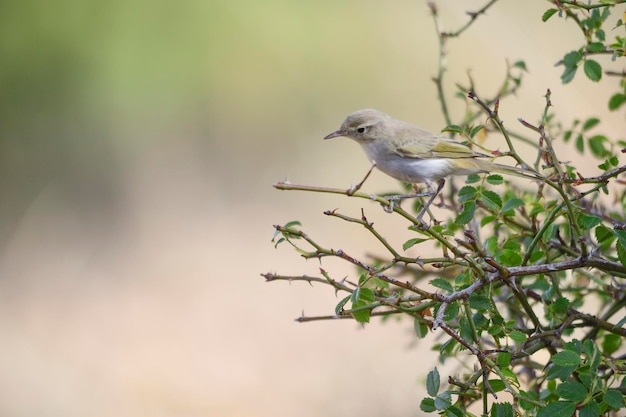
361 130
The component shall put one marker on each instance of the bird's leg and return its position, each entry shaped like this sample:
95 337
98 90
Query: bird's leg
433 195
354 188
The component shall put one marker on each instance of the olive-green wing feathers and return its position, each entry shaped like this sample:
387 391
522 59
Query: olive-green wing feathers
432 146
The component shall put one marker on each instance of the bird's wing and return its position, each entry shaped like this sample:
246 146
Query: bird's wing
450 148
413 142
432 146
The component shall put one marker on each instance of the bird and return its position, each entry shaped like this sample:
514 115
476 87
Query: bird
413 155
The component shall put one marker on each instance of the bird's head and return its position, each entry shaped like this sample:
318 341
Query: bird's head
363 126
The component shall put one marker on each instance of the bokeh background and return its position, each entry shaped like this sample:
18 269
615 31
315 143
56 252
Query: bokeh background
139 141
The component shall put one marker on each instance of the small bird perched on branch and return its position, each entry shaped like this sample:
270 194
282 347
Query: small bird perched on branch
408 153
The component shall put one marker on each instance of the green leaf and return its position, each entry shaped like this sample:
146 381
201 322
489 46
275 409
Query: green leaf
596 145
412 242
475 130
600 35
480 321
421 328
614 399
363 278
572 390
467 214
279 241
432 382
367 295
594 362
442 283
580 143
465 330
503 359
521 65
452 311
479 302
560 372
611 344
497 385
496 331
596 47
593 70
566 358
512 204
491 244
567 135
472 178
560 306
428 405
341 304
590 123
517 336
616 101
603 234
467 193
548 14
446 348
527 395
621 235
491 199
443 401
454 411
510 376
495 179
487 220
588 221
571 59
509 257
621 252
362 297
361 316
591 409
558 409
454 129
512 244
576 346
568 74
536 255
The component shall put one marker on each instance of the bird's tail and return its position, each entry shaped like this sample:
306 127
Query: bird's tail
508 170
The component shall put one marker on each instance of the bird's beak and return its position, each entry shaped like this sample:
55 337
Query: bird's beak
335 134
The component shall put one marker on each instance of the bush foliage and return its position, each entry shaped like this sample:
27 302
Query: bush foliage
531 281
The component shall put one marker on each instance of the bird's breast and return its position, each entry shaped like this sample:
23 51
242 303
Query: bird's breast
413 170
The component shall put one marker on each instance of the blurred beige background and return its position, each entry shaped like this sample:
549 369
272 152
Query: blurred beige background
139 144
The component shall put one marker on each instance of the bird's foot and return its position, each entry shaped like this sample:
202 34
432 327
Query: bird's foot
396 199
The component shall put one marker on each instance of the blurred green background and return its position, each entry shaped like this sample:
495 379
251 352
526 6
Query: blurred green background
139 141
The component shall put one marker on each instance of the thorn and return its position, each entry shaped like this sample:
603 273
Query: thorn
301 318
363 216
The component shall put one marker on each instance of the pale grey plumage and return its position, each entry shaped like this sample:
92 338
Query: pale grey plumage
411 154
